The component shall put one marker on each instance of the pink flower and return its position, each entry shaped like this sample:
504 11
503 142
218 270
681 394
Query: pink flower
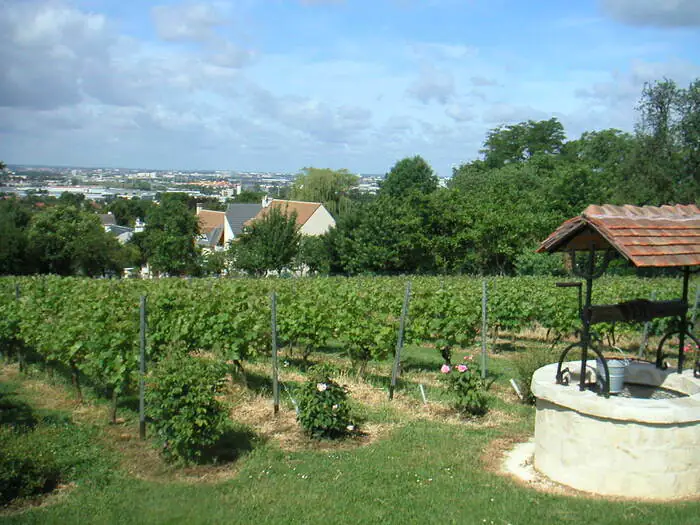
445 369
462 368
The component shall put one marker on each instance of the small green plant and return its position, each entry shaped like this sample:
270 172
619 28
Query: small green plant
182 402
468 387
323 406
526 365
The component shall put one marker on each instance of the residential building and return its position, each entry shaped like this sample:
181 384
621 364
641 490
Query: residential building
312 218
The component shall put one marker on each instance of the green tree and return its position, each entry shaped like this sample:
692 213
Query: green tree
385 236
14 220
519 142
606 153
314 254
77 200
66 241
208 203
409 176
169 236
333 188
249 197
653 172
270 243
689 135
507 210
126 211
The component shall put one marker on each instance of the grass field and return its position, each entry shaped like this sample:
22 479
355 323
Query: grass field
417 464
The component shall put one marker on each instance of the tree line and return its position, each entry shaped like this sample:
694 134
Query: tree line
487 219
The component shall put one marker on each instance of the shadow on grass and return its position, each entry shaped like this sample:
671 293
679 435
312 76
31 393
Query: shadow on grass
14 412
420 364
262 383
507 346
234 444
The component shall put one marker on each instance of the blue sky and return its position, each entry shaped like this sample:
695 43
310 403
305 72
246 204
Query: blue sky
282 84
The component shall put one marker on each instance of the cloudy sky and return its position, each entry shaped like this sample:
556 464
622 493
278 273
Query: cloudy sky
282 84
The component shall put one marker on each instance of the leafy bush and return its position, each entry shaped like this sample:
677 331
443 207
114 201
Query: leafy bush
469 389
181 400
27 465
527 364
323 406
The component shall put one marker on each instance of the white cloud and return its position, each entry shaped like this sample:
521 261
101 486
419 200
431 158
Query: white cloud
433 84
459 113
196 21
662 13
480 81
53 56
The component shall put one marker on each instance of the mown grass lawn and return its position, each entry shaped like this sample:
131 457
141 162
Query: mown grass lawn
421 471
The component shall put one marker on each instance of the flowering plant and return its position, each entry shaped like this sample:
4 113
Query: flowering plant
469 388
690 348
323 406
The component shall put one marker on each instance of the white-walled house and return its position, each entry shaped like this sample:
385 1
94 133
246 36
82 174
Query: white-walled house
218 228
313 218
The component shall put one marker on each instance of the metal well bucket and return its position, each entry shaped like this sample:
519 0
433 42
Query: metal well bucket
617 369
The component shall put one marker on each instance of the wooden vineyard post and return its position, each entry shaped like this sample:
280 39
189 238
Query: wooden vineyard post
484 326
20 353
275 363
399 341
645 334
142 368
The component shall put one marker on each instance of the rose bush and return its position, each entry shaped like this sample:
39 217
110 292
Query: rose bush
323 406
468 387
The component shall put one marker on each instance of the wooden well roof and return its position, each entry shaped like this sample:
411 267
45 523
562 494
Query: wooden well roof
648 236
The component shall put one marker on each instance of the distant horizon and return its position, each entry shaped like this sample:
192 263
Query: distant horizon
199 170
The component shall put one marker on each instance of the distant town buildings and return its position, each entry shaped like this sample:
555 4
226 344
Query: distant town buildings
103 184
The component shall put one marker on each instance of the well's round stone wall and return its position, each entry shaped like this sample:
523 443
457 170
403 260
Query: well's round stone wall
637 448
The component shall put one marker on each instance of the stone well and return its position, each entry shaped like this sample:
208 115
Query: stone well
618 446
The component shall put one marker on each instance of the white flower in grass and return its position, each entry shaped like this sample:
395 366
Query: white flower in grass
350 428
335 407
321 387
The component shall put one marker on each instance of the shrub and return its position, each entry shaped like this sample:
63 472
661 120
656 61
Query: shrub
323 406
182 402
527 364
468 387
27 465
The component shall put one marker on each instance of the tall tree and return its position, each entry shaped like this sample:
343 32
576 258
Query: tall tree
409 176
270 243
606 154
689 131
333 188
507 210
658 168
169 236
519 142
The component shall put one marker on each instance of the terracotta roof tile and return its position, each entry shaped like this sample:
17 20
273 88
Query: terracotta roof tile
646 235
208 220
304 210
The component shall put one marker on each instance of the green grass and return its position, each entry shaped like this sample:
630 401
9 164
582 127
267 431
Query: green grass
423 472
